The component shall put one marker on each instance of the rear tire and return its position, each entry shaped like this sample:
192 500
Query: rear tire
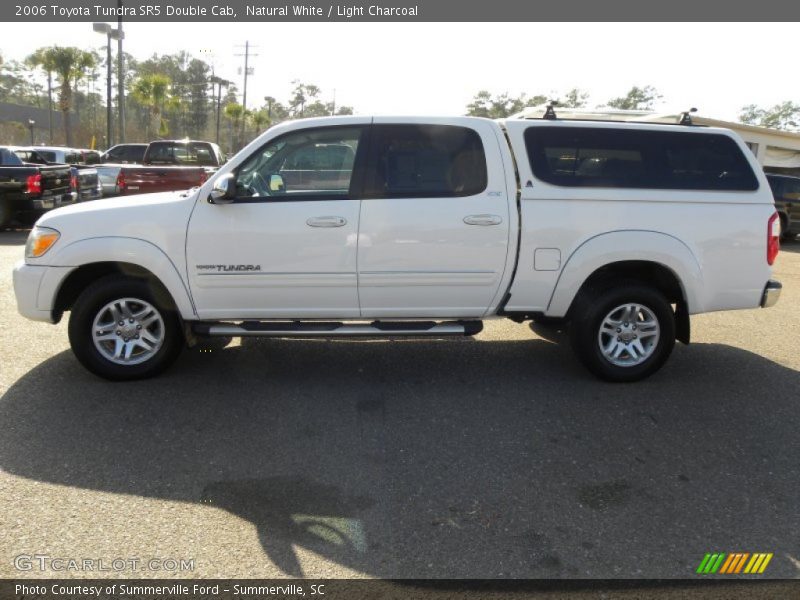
123 328
624 332
785 235
6 214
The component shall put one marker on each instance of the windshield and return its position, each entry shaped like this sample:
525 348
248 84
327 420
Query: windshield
9 159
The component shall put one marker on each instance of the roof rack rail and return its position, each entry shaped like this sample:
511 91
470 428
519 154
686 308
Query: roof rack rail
686 117
550 113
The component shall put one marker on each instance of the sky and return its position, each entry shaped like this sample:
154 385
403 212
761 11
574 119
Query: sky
436 68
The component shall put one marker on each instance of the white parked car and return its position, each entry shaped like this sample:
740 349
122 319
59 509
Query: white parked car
388 227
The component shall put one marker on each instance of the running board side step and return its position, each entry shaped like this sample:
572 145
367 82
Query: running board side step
310 329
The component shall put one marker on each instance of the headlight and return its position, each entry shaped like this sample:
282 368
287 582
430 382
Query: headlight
40 241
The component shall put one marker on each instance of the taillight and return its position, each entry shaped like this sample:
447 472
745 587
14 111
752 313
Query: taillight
73 182
34 184
121 182
203 177
773 238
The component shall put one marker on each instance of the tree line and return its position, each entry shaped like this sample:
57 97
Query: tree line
785 115
177 95
171 95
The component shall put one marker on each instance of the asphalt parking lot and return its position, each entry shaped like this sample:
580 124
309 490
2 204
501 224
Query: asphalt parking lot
493 457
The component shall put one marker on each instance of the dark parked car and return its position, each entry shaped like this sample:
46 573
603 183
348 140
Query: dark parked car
86 183
28 189
786 191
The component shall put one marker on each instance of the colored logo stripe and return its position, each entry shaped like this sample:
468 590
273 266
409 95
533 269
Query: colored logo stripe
734 563
711 563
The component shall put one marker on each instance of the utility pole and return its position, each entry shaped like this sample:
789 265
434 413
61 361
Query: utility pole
247 54
219 82
219 107
120 76
269 100
50 105
109 117
111 34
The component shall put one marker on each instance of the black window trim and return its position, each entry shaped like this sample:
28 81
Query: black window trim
612 187
364 157
356 179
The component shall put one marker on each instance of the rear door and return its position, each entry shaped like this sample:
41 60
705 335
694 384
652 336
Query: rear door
434 231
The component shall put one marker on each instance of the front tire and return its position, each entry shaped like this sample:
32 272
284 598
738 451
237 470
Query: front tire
123 328
624 332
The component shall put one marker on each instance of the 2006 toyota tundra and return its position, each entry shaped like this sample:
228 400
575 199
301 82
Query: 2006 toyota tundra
359 226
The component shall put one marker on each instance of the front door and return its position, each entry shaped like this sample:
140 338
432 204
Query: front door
287 246
434 229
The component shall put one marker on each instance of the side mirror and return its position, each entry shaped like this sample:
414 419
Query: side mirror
224 190
276 183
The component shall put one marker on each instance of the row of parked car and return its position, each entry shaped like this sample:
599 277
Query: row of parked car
38 178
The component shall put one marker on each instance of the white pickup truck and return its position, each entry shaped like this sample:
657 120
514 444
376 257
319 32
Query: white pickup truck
389 227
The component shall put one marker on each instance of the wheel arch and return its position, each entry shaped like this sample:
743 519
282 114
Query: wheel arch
649 257
98 257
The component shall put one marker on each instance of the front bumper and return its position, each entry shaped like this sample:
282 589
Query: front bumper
35 288
48 202
772 291
27 279
91 194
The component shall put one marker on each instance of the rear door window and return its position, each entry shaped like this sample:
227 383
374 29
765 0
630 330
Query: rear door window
48 155
636 158
133 154
419 161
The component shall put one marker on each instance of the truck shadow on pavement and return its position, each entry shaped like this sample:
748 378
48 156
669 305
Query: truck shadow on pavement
438 458
790 245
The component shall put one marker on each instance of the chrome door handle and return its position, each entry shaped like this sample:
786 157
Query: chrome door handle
483 220
326 222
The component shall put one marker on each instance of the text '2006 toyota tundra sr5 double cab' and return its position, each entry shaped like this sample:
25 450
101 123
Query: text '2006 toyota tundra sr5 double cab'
390 227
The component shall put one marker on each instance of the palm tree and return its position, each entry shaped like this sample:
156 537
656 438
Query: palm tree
69 64
40 59
260 120
234 112
153 92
